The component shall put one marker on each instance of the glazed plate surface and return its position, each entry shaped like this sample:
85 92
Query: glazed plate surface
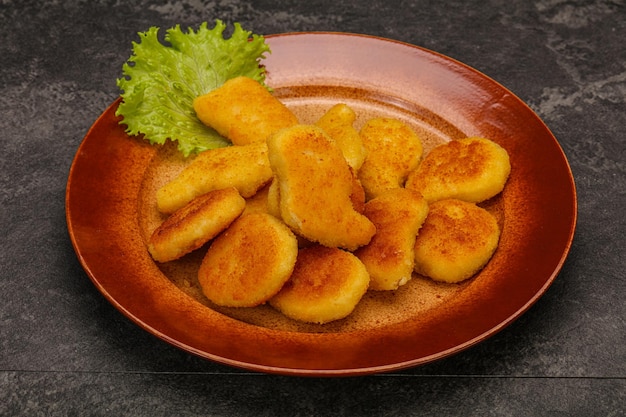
110 212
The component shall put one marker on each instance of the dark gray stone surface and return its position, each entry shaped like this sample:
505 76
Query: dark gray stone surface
64 350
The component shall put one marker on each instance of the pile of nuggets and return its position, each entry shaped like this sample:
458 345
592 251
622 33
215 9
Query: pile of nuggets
308 218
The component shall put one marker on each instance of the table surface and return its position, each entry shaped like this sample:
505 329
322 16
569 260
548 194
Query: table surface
66 351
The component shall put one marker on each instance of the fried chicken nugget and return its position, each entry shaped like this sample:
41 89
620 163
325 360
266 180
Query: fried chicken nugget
358 193
259 202
357 197
456 241
472 169
195 224
390 256
246 168
326 285
243 111
273 200
338 123
249 262
393 150
315 185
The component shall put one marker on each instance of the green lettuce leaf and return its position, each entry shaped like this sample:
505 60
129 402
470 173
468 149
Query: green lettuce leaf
160 82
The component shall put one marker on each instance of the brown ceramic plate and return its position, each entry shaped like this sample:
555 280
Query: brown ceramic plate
112 179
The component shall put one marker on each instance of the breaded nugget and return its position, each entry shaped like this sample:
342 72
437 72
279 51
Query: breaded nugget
243 167
258 203
315 185
266 201
357 196
273 199
338 123
249 262
243 111
393 150
326 285
195 224
456 241
472 169
389 258
273 208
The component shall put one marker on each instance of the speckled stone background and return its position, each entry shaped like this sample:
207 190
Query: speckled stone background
64 350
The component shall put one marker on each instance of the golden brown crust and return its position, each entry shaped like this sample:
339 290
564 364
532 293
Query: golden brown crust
249 262
258 203
357 196
196 223
470 169
338 123
456 241
389 258
326 285
273 199
315 186
243 167
243 111
393 150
